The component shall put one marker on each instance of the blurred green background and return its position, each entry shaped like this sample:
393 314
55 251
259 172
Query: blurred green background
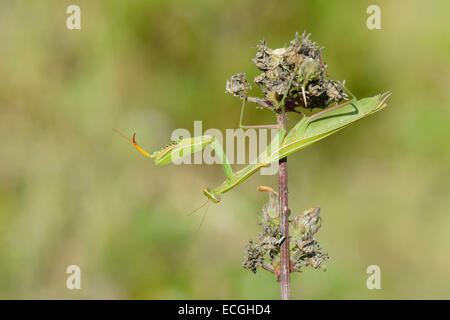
74 192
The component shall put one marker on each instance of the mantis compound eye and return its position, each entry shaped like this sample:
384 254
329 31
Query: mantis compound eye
211 196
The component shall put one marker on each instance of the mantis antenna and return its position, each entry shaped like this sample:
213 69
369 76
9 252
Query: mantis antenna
195 210
203 217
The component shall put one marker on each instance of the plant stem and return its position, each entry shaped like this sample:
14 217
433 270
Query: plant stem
284 219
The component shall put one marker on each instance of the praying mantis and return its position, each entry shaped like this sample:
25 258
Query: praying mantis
307 131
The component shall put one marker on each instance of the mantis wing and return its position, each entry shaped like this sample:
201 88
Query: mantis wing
316 127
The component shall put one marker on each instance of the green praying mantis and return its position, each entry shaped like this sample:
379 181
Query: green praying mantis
307 131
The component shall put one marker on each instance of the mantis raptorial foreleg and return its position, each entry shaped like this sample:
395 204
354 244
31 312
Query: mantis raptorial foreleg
277 105
264 126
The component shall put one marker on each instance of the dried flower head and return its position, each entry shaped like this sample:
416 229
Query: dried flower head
305 249
266 250
254 257
296 72
238 85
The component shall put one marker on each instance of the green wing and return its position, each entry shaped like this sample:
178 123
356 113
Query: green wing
314 128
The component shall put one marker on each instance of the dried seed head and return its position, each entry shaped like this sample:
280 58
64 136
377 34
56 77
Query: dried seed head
295 71
271 210
305 250
254 257
310 69
267 248
238 85
262 60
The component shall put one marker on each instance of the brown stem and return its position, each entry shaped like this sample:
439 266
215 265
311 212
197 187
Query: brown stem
284 219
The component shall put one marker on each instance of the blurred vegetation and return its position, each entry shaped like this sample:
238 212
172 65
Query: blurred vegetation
73 192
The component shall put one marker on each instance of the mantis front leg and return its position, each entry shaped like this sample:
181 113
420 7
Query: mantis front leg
264 126
277 105
306 132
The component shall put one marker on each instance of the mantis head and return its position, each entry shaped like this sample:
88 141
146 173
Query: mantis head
211 195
